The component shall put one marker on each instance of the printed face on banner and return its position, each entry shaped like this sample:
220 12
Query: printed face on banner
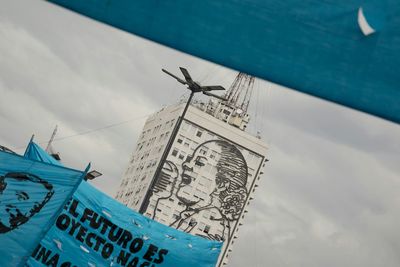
16 193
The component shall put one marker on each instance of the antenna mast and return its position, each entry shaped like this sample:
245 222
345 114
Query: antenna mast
239 93
233 109
48 148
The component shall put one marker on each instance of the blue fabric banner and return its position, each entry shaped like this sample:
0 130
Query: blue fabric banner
32 195
35 152
343 51
96 230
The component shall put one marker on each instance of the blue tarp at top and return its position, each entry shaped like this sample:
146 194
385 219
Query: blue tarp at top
316 47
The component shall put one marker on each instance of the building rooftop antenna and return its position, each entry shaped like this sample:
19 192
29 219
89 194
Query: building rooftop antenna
233 109
49 148
239 93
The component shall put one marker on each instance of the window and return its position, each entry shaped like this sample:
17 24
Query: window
198 134
174 152
226 112
207 229
185 126
208 167
194 176
179 141
192 222
213 154
192 129
203 151
200 161
206 214
201 226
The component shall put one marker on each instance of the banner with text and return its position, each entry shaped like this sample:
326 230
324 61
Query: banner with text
32 194
96 230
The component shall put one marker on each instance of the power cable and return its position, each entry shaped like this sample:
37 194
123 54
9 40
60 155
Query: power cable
92 130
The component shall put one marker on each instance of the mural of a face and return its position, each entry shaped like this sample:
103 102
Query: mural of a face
165 184
16 193
193 164
227 190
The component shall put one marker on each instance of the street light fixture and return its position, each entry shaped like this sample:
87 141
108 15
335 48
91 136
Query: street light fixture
92 175
194 87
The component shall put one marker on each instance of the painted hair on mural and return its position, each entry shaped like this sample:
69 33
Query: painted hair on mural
231 179
232 174
16 217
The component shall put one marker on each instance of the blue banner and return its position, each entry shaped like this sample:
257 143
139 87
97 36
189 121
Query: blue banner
317 47
35 152
32 195
96 230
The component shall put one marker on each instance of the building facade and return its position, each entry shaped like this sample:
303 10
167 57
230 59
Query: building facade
209 176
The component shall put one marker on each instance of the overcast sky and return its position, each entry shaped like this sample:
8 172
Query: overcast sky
330 192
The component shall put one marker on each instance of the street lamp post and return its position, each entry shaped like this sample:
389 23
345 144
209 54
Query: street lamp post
194 87
164 156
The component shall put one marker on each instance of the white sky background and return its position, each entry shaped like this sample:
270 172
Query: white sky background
329 195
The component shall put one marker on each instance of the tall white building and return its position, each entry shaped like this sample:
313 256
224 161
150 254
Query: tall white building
211 171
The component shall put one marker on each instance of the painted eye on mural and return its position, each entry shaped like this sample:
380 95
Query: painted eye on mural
200 161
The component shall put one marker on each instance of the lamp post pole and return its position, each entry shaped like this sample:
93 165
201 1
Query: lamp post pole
149 193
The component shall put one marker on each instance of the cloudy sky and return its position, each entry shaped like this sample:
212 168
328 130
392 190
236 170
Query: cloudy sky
329 195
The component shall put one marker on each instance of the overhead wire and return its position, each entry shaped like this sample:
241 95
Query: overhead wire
91 130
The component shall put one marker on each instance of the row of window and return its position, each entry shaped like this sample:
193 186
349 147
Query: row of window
149 143
167 125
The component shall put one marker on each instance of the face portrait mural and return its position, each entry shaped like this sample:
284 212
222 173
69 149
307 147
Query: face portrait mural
165 185
218 168
22 195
